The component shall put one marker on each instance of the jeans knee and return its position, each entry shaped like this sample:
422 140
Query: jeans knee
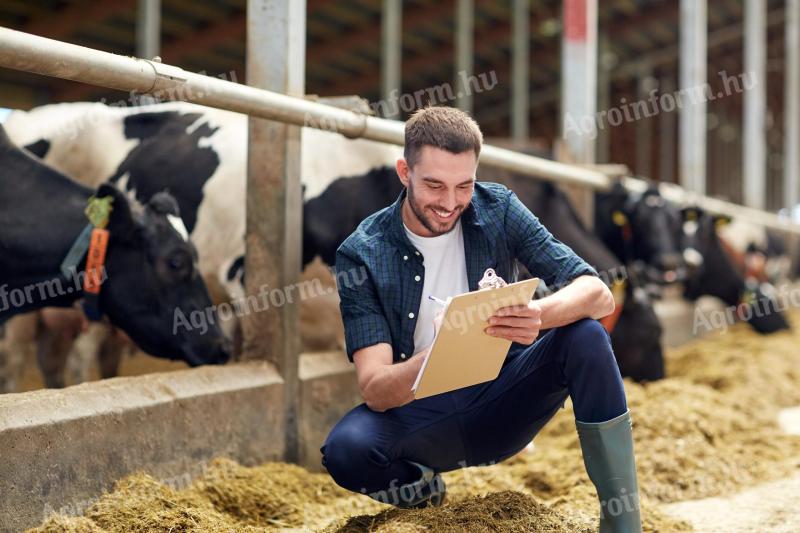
348 455
589 340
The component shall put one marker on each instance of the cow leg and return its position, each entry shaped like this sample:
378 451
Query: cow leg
110 354
86 350
51 354
17 347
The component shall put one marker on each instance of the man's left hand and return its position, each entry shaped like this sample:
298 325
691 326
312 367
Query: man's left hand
518 323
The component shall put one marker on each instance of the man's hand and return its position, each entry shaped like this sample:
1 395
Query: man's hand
518 323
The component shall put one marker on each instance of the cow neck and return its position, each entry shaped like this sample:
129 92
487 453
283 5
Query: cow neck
52 207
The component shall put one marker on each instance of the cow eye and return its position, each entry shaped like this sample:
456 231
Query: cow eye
178 262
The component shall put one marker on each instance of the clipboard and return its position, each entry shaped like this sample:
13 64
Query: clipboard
462 353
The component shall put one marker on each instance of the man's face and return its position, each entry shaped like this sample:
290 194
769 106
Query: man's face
439 187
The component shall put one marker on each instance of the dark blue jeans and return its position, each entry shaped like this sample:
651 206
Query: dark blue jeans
369 451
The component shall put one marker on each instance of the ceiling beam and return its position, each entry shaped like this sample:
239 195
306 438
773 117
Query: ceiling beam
66 21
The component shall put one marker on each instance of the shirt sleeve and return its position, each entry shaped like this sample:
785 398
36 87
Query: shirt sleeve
542 254
364 322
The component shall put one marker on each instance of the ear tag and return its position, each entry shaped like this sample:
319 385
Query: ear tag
619 218
99 210
721 223
691 215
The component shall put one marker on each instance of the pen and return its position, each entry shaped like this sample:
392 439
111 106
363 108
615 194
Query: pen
437 300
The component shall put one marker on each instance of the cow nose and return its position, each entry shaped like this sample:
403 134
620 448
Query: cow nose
224 350
669 261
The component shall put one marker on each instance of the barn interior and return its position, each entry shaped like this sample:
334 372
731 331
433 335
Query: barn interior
706 93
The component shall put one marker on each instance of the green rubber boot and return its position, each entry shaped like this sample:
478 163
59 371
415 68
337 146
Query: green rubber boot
608 455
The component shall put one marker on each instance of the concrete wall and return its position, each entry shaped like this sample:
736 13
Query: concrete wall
328 390
60 449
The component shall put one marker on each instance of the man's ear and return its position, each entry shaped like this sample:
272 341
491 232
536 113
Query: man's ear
121 223
402 171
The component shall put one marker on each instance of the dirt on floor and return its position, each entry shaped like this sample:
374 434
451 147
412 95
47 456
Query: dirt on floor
710 430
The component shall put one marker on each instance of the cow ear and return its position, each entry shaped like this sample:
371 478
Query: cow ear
121 222
690 213
163 203
721 220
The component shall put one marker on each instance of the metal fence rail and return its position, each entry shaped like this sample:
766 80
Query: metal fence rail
31 53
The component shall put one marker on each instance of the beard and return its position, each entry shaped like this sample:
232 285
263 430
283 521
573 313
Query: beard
427 218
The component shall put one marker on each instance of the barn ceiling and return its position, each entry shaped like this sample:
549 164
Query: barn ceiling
343 45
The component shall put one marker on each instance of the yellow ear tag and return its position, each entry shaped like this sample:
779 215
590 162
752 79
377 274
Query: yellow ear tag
721 222
691 215
619 218
98 211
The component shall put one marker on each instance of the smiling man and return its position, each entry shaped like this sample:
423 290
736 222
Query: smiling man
437 239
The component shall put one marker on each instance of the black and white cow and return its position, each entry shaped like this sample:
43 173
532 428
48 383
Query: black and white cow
150 266
712 272
199 155
640 230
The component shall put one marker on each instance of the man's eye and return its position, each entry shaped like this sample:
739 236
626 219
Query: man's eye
435 187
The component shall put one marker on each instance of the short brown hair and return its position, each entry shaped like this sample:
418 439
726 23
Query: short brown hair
447 128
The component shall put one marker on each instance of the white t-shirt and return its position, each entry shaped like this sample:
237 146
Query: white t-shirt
445 275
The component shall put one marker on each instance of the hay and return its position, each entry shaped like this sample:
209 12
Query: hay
276 494
504 511
744 364
709 430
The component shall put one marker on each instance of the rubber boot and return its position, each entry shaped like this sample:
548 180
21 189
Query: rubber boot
429 489
608 455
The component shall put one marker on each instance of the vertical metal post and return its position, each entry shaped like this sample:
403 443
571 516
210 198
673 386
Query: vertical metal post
465 13
693 76
148 29
391 55
791 107
276 37
606 60
579 78
520 58
644 125
755 104
666 135
579 91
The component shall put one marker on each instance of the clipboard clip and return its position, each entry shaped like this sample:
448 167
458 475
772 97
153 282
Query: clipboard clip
491 280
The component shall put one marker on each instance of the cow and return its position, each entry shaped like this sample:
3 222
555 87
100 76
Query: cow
712 272
640 229
199 155
150 270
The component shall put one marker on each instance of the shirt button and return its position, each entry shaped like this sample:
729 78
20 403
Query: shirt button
410 315
402 356
405 258
417 278
416 252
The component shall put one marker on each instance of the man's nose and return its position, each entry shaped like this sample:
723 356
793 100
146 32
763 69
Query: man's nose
450 200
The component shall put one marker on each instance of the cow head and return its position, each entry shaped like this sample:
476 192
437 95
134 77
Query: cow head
641 228
153 280
710 271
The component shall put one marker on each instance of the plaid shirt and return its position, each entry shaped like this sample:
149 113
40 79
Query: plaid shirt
381 274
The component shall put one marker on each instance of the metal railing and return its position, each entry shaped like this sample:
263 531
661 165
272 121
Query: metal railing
31 53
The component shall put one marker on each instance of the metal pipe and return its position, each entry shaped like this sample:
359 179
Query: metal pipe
391 53
520 57
754 146
148 28
693 77
465 13
31 53
791 99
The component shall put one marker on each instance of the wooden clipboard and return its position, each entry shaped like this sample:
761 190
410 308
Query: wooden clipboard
462 353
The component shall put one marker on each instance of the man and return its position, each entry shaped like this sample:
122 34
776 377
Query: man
437 239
